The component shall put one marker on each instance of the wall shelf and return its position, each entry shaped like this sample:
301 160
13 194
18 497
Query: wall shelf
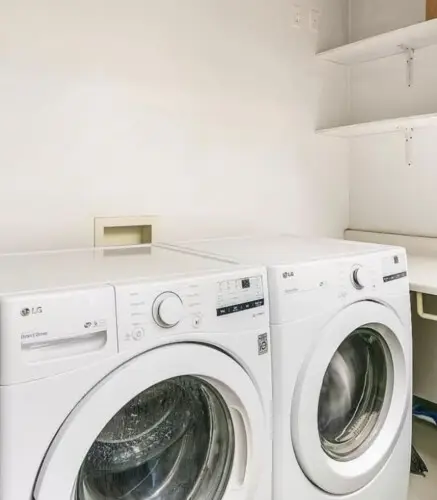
394 42
381 126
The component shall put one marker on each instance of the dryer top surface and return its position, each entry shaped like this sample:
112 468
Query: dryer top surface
280 250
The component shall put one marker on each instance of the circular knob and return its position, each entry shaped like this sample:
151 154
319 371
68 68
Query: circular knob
360 278
168 310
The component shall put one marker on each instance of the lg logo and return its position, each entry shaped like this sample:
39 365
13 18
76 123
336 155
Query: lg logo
27 311
288 275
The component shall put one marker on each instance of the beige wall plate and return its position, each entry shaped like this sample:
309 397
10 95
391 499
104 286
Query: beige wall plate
124 231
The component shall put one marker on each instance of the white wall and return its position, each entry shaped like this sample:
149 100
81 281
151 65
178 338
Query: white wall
386 194
372 17
201 108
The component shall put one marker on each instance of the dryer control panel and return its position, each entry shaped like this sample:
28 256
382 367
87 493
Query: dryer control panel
334 282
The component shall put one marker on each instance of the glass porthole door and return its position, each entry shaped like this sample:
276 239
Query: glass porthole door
179 422
351 398
164 443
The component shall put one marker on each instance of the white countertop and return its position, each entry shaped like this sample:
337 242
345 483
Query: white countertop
422 272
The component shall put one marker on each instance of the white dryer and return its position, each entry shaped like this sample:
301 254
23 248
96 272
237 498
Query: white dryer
341 344
133 374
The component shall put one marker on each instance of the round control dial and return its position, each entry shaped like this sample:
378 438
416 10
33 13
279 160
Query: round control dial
360 278
168 310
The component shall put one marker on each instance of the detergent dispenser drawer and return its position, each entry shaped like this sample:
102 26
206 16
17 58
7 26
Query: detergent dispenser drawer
48 333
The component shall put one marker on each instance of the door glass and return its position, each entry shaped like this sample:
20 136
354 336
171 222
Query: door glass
174 441
352 395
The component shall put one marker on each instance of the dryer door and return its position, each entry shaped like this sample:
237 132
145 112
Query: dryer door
351 398
181 421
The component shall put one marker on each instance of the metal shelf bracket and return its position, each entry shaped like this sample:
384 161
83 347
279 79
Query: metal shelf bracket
409 57
408 145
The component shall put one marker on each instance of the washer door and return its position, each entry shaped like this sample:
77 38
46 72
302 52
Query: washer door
178 422
351 398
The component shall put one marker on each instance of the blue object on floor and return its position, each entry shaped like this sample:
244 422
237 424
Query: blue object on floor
424 414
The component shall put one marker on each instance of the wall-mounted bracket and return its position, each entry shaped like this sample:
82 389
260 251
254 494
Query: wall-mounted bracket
408 145
409 58
420 309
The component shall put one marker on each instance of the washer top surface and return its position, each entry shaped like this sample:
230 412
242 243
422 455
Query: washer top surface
69 268
279 250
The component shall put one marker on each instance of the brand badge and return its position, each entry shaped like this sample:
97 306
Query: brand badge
27 311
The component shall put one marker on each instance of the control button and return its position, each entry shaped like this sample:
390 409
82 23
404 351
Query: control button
138 334
168 310
360 278
196 321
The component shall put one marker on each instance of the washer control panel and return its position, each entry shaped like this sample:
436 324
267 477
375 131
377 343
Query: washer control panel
148 311
239 295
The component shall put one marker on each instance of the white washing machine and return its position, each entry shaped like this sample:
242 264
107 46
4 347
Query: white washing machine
137 373
341 344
